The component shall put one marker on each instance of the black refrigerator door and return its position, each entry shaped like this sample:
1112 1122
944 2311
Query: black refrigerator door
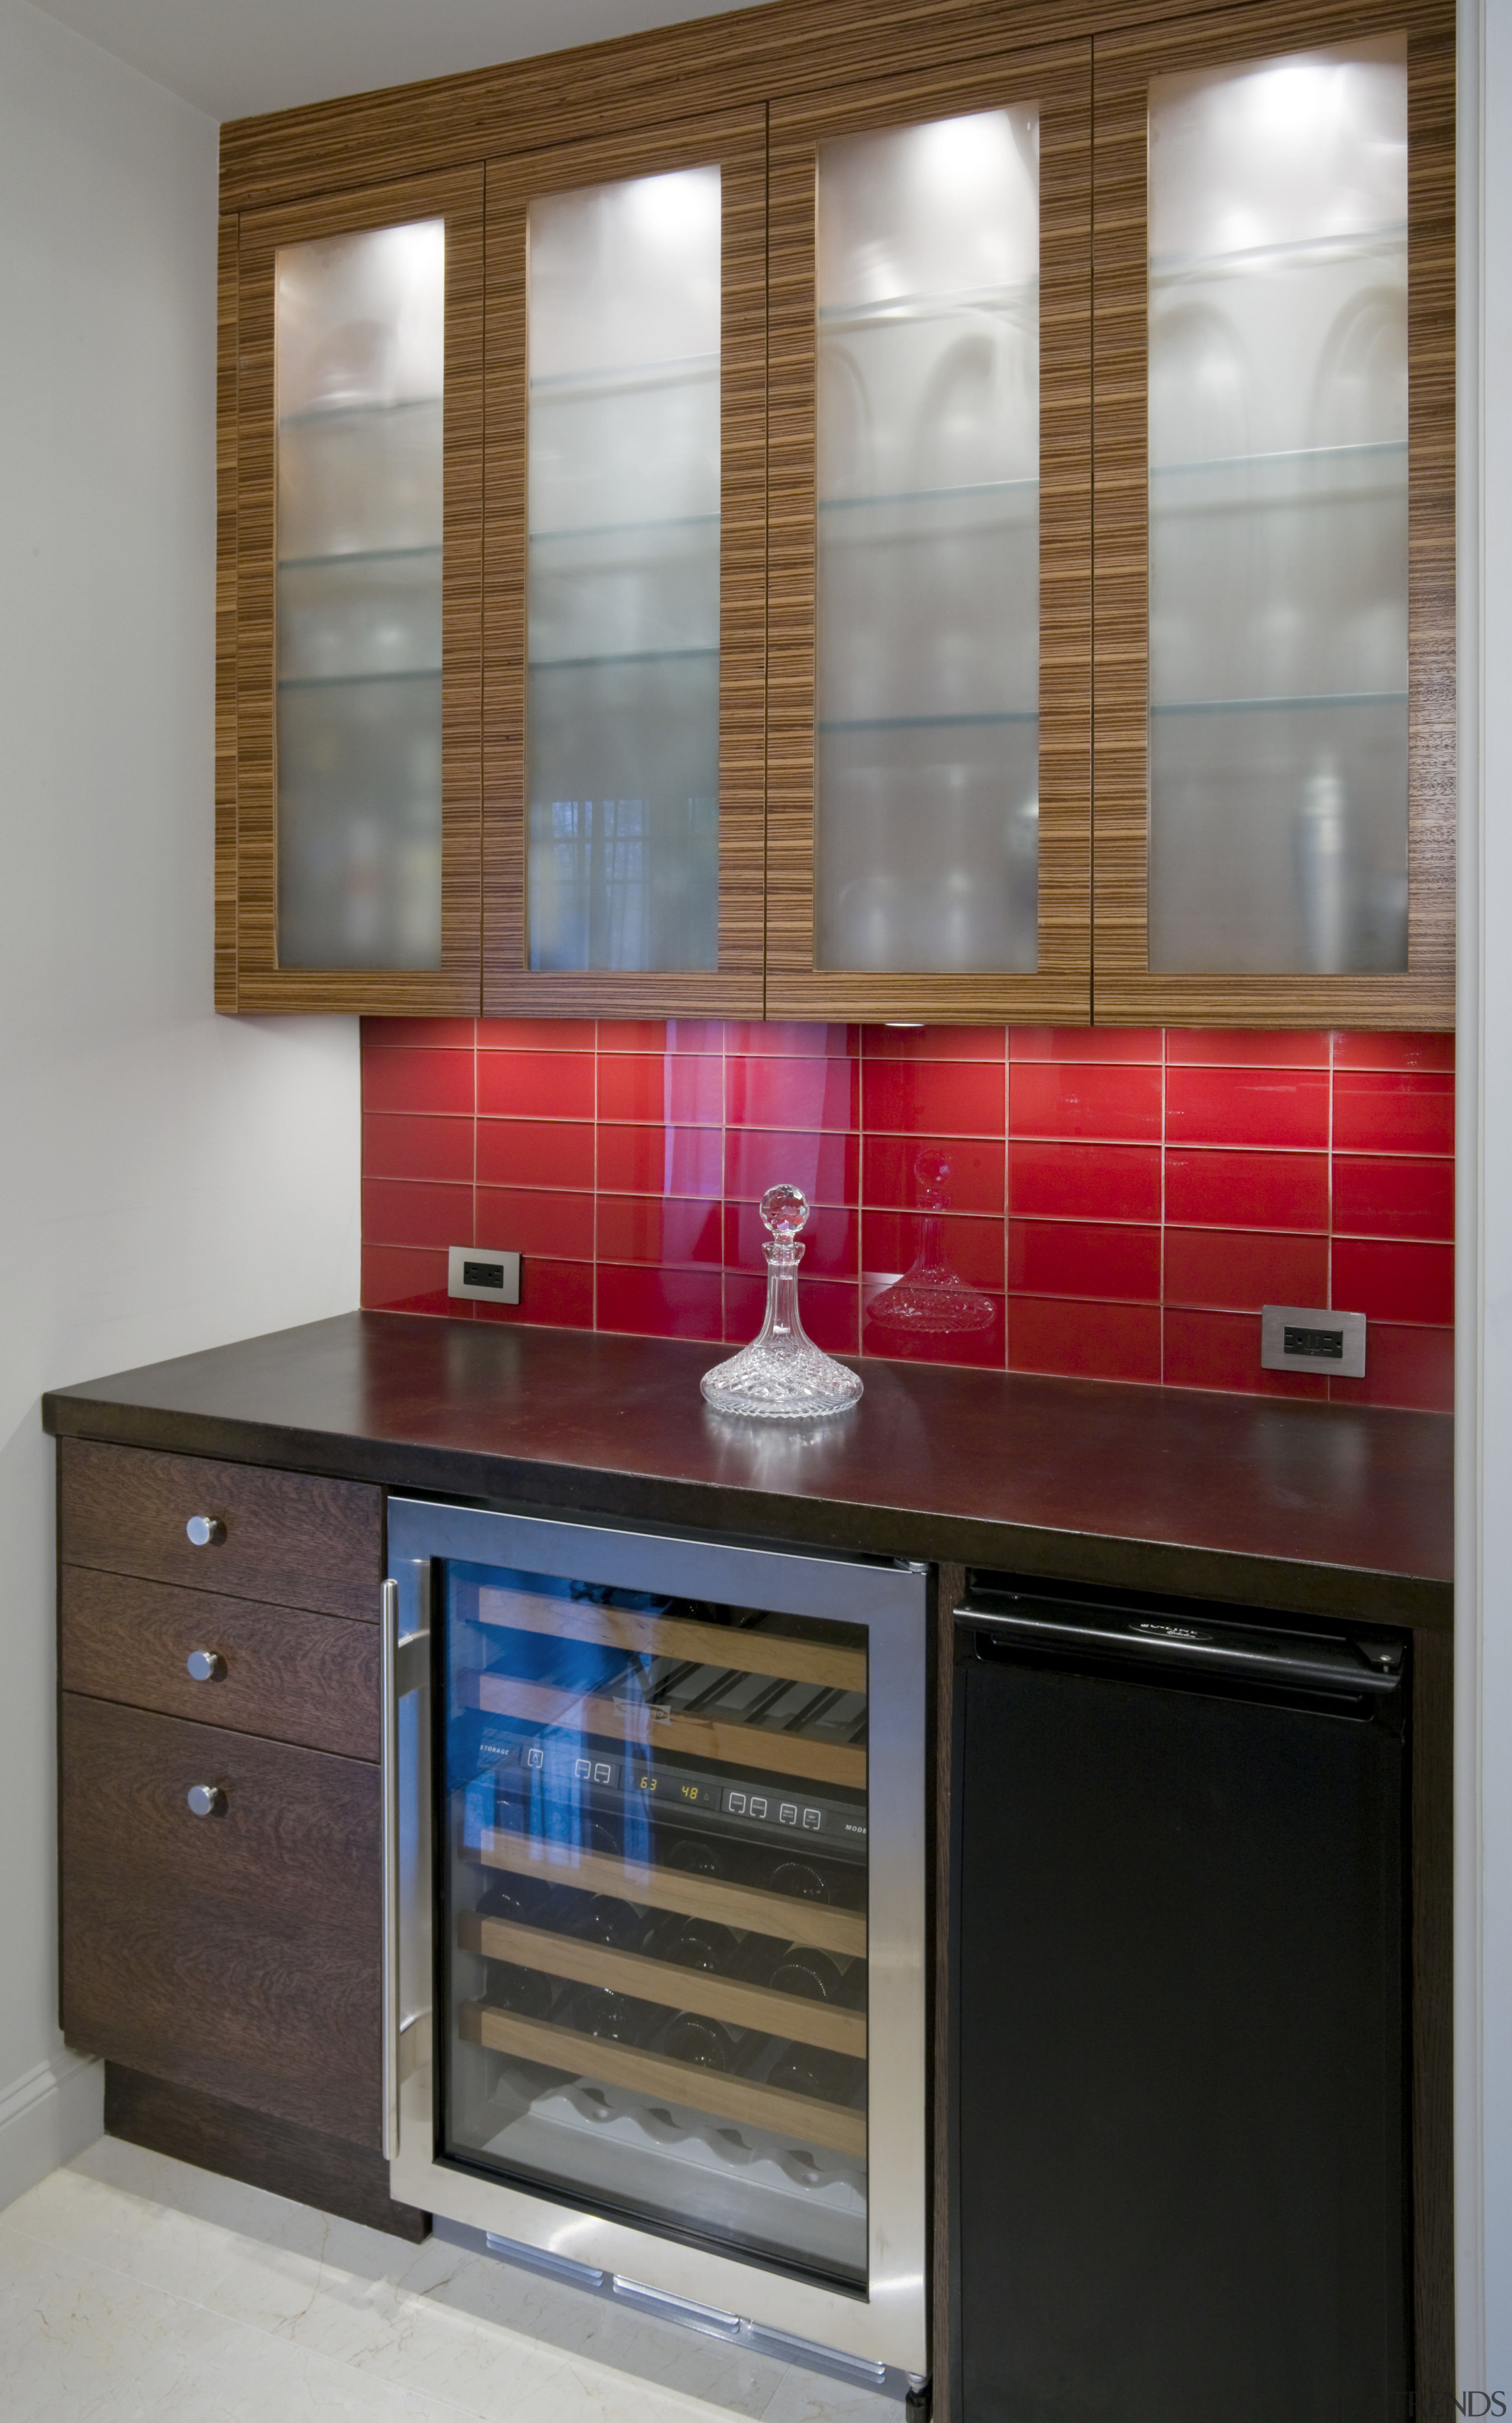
1178 2091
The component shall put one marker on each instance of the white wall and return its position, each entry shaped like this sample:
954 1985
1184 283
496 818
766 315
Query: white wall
167 1181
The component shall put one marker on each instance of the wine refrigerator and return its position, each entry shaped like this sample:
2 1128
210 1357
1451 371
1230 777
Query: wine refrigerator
655 1908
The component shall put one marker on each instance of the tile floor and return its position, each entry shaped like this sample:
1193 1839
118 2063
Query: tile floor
134 2290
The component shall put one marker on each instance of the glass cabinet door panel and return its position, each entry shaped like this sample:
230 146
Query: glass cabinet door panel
655 1909
1278 513
927 701
624 528
360 334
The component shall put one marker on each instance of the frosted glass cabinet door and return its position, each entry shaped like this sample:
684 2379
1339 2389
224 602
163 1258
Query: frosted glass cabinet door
357 562
928 818
625 509
1293 819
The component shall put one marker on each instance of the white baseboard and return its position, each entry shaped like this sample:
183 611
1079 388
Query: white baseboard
47 2117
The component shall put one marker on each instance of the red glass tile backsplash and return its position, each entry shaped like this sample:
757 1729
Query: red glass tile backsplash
1112 1203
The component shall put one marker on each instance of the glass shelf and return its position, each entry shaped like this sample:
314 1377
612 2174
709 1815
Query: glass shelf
317 413
942 305
608 378
361 555
927 723
640 657
353 681
1302 699
1385 447
930 496
627 530
1346 242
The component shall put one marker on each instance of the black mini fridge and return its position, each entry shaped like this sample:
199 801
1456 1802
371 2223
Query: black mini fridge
1178 2039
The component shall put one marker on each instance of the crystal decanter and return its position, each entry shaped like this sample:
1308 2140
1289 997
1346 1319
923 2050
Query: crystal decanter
781 1376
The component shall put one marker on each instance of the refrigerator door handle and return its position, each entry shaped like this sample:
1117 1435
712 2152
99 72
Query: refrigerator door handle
1186 1646
402 1671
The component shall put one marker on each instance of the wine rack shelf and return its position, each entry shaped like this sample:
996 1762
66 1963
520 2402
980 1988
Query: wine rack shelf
745 1652
794 1921
774 1753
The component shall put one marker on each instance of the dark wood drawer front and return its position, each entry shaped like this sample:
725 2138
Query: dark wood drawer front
241 1953
288 1537
294 1677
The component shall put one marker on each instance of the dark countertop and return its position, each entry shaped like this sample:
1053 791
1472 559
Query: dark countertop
1319 1509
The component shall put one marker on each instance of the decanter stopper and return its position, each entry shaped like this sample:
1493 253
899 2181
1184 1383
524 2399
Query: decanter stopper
781 1376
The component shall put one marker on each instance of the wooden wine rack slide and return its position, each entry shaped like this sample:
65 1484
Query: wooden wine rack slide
662 1981
784 1915
774 1753
801 2118
741 1651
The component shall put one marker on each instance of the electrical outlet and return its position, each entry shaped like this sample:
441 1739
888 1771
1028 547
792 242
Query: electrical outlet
1294 1338
481 1276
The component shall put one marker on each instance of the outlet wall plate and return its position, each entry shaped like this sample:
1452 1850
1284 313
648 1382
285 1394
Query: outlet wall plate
1298 1337
481 1276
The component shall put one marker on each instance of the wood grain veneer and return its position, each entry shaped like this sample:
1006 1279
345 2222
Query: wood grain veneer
662 1981
289 1675
227 293
772 1753
736 141
261 983
1432 2034
950 1588
292 1538
1125 990
738 1647
765 1913
1058 80
802 2117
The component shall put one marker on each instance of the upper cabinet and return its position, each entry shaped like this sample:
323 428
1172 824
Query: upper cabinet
975 544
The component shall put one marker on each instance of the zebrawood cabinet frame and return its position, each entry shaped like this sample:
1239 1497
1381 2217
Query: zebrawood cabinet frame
1059 80
735 142
248 823
1125 990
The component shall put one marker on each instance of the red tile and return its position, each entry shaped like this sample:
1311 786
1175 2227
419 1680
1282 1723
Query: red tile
933 1042
1392 1198
830 1307
660 1303
1394 1052
1254 1106
407 1211
535 1035
659 1228
535 1084
1240 1270
681 1090
1080 1101
829 1234
1404 1367
979 1346
553 1296
535 1152
1228 1047
398 1144
1379 1111
1222 1350
782 1038
1085 1341
1067 1257
433 1034
403 1080
532 1221
961 1175
973 1249
1248 1190
792 1093
938 1098
698 1034
827 1167
406 1279
661 1161
1393 1282
1109 1044
1084 1181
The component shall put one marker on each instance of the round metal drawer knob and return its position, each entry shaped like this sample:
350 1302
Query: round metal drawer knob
205 1530
206 1799
206 1665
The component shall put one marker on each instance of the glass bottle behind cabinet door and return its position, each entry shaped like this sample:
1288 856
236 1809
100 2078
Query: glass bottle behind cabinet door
927 749
360 350
1279 513
623 648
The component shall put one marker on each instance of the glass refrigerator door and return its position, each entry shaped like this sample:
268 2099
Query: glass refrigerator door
652 1892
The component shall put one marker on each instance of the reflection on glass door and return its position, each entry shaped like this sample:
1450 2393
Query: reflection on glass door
927 754
361 353
622 704
1279 513
653 1910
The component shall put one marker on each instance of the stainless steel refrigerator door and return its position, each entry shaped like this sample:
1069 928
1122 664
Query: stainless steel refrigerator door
887 2322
